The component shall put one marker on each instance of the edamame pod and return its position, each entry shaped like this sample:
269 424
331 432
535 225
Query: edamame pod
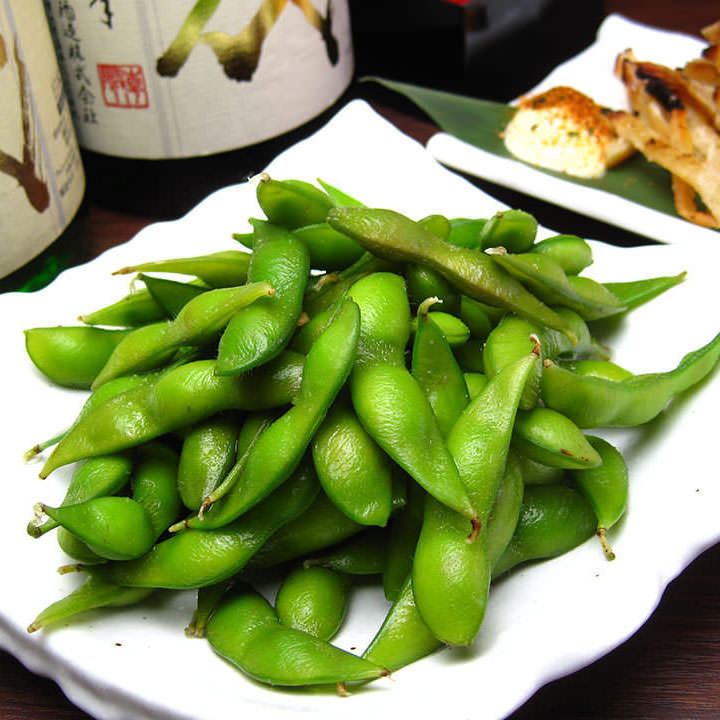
606 488
637 292
179 397
170 295
594 402
208 453
227 268
71 356
137 308
261 332
196 324
397 238
195 558
363 554
353 471
245 631
314 600
92 594
548 437
292 203
570 252
515 230
554 519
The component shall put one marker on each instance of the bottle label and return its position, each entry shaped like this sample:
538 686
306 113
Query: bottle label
41 176
179 78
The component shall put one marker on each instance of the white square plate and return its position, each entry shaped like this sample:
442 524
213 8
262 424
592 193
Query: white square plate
591 72
543 621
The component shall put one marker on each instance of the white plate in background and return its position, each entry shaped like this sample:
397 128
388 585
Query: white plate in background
591 72
543 621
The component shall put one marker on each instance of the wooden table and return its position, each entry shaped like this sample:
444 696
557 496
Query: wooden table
669 669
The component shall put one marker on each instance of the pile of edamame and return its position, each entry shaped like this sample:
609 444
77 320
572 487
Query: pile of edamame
360 395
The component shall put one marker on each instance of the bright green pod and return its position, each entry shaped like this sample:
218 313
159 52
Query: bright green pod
75 548
513 338
451 576
437 224
554 519
403 638
570 252
637 292
466 232
388 400
606 488
475 383
595 402
93 478
313 600
423 283
116 528
208 453
598 368
180 397
395 237
515 230
198 323
321 526
479 317
92 594
328 248
196 558
71 356
505 513
207 599
246 632
404 531
258 334
353 471
545 277
453 329
155 485
363 554
437 372
292 203
338 197
171 295
137 308
227 268
550 438
280 448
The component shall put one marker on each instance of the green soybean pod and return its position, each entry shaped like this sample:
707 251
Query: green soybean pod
505 513
475 383
328 248
226 268
172 296
75 548
208 453
137 308
403 536
423 283
598 368
71 356
261 331
92 594
354 472
535 473
554 519
453 329
515 230
292 203
637 292
571 252
466 232
595 402
208 598
314 600
606 488
550 438
403 638
116 528
246 632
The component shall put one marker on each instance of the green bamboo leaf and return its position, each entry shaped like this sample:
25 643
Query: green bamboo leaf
481 122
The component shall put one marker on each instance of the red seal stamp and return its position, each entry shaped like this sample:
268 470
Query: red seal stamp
123 86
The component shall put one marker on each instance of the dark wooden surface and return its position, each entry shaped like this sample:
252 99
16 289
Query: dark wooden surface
669 670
